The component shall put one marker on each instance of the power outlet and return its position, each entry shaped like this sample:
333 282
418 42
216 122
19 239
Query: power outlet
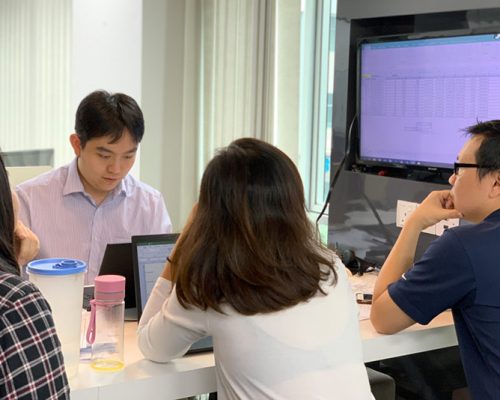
403 211
445 224
405 208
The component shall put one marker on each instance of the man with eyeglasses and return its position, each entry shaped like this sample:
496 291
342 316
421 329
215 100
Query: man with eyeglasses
460 270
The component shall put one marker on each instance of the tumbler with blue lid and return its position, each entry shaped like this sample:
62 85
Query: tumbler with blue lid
60 280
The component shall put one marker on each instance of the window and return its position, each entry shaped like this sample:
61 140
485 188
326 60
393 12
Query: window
317 68
35 106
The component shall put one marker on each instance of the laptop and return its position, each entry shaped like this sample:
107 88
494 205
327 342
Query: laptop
149 253
117 260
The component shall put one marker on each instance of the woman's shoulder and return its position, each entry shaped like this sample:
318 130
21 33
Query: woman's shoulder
14 288
332 257
336 262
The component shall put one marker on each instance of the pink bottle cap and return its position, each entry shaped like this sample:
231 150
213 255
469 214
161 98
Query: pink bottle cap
109 287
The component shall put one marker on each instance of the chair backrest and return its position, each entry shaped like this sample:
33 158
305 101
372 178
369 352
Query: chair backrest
18 175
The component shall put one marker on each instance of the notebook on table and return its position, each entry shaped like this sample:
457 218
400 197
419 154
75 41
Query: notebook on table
149 253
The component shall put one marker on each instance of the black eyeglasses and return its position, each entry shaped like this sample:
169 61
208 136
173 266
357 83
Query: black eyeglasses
457 166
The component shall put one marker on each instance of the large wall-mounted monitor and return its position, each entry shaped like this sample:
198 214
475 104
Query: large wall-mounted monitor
416 96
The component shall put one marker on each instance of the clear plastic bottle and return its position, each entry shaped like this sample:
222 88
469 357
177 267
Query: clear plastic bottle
105 331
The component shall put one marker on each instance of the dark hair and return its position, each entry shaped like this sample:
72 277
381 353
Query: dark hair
250 244
102 114
7 253
488 152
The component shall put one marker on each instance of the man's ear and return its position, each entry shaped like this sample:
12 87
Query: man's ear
76 144
495 188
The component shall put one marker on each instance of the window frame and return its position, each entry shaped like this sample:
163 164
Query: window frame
316 81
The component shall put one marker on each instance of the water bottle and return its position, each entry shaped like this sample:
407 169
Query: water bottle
105 331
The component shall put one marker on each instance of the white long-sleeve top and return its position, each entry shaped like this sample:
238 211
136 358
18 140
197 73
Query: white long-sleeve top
309 351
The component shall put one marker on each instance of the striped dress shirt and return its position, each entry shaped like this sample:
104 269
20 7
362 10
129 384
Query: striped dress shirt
69 224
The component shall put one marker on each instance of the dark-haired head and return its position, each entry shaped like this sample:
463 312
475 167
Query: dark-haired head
488 152
7 220
251 244
105 114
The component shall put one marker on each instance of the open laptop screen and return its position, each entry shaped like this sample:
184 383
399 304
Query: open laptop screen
149 255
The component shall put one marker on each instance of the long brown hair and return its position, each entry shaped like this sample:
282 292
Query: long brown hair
250 244
7 221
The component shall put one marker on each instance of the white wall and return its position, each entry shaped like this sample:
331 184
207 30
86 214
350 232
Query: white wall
170 81
106 49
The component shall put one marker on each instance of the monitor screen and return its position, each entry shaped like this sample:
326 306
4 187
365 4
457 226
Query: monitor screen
416 96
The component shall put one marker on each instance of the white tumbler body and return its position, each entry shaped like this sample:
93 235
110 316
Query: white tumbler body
64 293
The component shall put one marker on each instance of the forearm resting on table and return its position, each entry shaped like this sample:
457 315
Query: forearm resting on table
400 259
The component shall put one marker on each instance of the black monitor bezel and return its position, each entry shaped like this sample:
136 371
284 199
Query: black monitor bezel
399 168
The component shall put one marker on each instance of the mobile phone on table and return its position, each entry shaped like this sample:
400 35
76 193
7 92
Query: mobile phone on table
364 298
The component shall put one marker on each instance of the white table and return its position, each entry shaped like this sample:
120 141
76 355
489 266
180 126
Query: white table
440 332
142 379
195 374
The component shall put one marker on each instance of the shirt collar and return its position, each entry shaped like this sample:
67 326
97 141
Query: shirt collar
74 184
493 216
123 188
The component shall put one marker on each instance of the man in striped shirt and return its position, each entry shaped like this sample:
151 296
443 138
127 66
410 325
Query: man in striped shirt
77 209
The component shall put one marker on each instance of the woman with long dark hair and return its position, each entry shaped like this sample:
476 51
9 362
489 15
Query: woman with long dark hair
30 353
8 260
249 271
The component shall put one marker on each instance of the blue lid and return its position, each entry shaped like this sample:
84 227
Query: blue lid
56 266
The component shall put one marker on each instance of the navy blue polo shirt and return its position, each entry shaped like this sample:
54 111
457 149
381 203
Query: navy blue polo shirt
461 270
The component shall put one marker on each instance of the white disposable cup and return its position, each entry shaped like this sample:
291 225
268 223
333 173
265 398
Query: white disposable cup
61 283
